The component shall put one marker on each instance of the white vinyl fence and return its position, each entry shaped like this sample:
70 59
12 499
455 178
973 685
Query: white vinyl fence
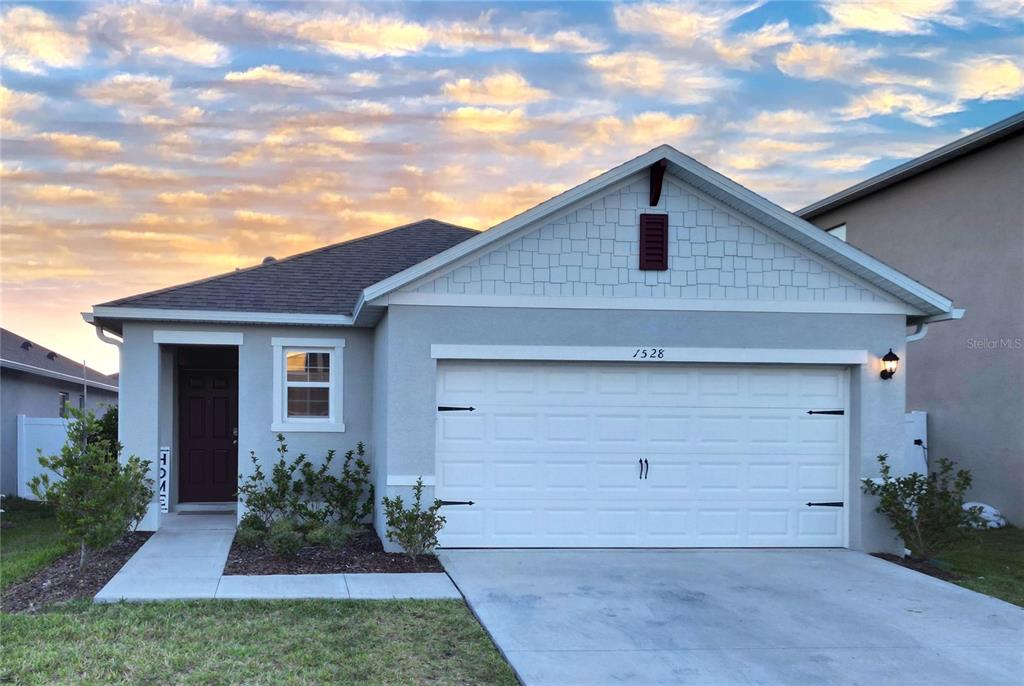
37 433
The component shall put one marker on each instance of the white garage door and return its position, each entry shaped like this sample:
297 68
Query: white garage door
617 455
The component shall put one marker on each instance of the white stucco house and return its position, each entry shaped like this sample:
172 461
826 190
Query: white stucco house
656 357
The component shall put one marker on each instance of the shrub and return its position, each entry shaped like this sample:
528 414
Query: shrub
309 496
414 529
926 511
283 540
97 499
334 535
250 537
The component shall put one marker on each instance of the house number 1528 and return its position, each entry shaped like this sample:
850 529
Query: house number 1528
649 353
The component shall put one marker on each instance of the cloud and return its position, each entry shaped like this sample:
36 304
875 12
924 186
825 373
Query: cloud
273 75
740 50
888 16
989 78
787 122
364 79
34 42
66 195
655 128
680 23
260 218
486 120
503 88
135 172
817 61
156 32
78 145
913 107
139 90
843 163
185 199
484 36
642 71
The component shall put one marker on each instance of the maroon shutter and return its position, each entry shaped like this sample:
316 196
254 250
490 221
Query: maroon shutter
654 241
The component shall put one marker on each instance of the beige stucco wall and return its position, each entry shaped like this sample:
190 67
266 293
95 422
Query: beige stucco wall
959 228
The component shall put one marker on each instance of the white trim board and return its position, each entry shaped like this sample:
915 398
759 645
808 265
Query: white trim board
675 304
156 314
197 337
628 354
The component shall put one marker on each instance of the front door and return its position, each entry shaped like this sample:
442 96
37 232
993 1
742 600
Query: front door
208 446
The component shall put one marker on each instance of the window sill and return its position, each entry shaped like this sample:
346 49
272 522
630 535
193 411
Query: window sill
307 427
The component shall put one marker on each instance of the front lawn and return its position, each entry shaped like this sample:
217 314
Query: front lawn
252 642
993 566
29 539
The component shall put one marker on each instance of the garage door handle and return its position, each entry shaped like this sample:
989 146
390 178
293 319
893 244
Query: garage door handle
641 461
647 468
833 503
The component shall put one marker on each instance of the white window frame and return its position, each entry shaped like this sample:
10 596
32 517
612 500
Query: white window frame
335 348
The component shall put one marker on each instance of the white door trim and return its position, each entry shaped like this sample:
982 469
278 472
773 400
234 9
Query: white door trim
661 354
198 337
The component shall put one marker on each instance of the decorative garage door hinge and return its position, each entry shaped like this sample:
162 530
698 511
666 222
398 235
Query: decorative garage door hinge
833 503
826 411
452 408
456 502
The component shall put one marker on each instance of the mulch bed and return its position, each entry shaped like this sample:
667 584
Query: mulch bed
62 581
922 566
364 553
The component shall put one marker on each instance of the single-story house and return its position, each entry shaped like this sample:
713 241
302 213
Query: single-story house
656 357
39 383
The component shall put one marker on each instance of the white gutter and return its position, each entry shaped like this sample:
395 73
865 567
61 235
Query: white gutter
32 369
922 326
217 316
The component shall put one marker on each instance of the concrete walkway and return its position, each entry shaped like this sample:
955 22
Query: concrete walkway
185 560
724 617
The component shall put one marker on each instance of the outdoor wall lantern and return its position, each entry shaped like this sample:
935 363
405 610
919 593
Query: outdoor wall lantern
890 361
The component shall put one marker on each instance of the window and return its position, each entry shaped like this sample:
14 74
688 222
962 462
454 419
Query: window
65 401
81 402
838 231
308 384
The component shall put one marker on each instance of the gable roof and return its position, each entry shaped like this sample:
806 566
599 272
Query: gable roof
947 153
326 281
722 189
18 352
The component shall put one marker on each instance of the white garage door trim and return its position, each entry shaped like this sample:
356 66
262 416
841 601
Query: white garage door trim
572 353
836 455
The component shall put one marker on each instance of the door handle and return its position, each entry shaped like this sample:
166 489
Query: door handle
641 461
647 468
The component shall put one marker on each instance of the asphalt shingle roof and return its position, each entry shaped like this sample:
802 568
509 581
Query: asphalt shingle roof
327 280
13 348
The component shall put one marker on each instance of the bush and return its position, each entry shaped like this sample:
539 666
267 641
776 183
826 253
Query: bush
283 540
414 529
97 499
250 537
309 496
926 511
334 536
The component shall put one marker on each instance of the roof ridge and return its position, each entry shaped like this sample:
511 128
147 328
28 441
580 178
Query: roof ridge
276 261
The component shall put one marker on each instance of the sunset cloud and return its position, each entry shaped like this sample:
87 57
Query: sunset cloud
640 71
79 145
130 89
66 195
34 42
487 120
914 107
155 32
990 78
888 16
821 60
272 75
504 88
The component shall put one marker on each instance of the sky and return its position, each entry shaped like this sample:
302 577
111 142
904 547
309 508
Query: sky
149 144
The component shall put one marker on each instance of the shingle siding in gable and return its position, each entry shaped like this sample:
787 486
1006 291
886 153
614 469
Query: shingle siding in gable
594 251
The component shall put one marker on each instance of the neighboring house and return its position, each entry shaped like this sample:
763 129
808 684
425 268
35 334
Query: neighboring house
657 357
38 382
954 218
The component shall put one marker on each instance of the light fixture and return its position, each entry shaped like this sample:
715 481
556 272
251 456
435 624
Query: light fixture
890 361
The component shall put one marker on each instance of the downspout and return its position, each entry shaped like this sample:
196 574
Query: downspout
920 332
102 334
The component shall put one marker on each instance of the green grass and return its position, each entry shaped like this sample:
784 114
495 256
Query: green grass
29 540
252 642
993 566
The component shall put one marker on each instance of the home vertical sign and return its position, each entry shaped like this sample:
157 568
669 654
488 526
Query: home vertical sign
163 469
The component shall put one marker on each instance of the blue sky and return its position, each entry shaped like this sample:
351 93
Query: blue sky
149 144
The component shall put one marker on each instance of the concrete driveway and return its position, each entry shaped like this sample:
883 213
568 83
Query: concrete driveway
734 617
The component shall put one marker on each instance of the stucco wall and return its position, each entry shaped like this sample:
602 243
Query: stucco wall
34 396
876 412
959 228
147 407
593 251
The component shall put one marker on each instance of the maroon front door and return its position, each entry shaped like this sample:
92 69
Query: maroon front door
207 449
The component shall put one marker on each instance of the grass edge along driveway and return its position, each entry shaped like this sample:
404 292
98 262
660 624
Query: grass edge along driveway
252 642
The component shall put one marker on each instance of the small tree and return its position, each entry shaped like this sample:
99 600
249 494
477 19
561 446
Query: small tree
97 499
926 511
414 529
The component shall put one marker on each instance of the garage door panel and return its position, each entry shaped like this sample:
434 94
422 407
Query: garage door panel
551 455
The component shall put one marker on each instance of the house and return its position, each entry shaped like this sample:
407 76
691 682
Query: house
38 382
656 357
954 218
